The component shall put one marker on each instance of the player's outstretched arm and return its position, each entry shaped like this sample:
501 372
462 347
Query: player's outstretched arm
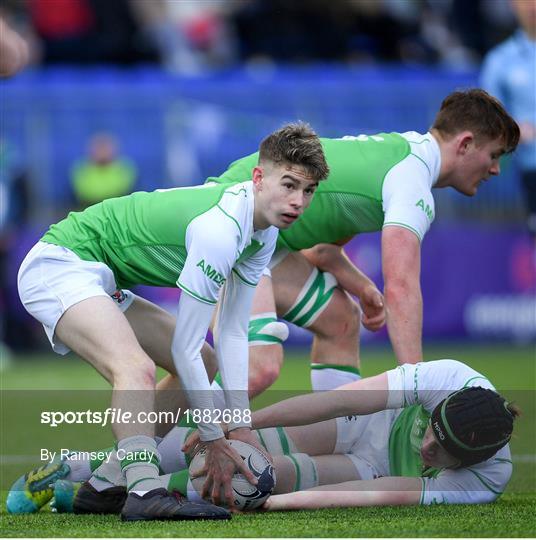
332 258
365 396
395 491
193 318
232 351
401 262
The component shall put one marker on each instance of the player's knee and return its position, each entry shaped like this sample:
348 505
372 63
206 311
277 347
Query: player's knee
264 368
139 373
148 374
265 335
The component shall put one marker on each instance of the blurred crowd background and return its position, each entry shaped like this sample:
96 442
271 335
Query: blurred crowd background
122 95
187 36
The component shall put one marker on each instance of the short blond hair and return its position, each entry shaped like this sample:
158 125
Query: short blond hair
296 144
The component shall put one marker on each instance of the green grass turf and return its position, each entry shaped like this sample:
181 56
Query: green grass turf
513 371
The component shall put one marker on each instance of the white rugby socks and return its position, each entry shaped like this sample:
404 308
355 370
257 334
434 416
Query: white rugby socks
330 376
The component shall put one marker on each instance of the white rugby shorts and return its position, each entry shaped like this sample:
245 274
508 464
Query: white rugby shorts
365 440
52 278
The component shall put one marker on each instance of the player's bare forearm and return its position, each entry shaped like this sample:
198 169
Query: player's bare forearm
404 322
401 264
332 258
365 396
380 492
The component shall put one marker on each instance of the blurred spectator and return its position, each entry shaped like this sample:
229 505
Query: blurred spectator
509 73
206 30
480 24
90 31
191 36
389 30
292 31
410 31
14 51
104 174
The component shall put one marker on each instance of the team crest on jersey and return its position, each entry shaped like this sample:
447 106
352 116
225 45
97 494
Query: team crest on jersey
119 296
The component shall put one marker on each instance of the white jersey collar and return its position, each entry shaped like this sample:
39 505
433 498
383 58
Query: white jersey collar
436 151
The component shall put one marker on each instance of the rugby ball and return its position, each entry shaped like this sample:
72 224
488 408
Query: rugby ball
246 495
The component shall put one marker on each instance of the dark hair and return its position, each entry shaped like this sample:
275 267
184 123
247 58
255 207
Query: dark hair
477 111
295 144
473 424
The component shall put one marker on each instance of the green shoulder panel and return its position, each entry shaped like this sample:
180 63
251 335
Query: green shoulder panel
349 201
238 171
141 237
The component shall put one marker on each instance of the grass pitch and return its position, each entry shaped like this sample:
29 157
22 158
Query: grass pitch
34 384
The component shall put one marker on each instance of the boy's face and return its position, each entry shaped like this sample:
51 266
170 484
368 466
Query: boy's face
476 163
282 193
433 454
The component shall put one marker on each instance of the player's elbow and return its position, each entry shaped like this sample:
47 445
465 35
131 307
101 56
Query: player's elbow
323 256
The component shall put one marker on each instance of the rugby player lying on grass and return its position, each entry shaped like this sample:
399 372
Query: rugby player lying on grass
426 433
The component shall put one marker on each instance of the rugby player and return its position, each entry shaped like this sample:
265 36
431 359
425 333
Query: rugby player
382 183
196 239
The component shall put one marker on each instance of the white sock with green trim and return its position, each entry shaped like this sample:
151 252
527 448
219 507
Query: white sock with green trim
139 462
330 376
108 474
305 470
80 467
181 482
172 458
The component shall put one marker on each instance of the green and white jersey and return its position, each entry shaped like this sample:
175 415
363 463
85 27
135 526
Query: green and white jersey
190 237
375 181
418 388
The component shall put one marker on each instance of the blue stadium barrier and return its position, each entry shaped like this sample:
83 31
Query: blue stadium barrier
179 130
